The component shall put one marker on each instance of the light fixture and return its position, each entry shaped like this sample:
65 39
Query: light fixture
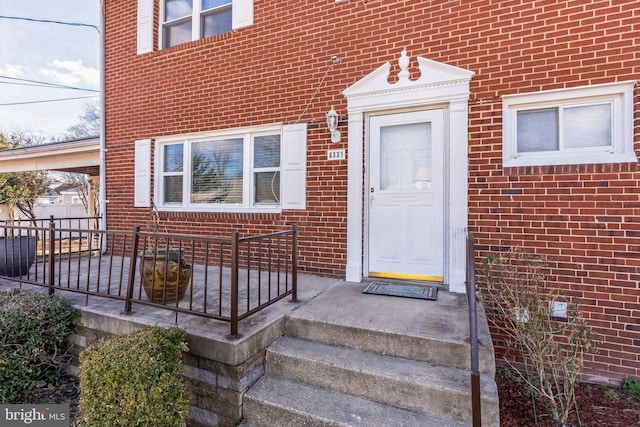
332 124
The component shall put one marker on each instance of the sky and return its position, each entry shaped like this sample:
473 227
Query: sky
51 53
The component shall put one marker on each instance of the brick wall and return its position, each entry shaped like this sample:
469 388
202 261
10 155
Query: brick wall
585 219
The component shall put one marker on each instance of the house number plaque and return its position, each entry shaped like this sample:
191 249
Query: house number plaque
336 154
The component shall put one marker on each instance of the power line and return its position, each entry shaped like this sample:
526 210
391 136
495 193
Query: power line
46 84
74 24
24 84
47 100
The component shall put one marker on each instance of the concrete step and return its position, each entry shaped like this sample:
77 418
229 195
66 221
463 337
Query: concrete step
435 332
349 359
413 385
274 401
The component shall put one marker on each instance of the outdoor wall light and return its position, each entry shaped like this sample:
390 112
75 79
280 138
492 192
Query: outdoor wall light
332 124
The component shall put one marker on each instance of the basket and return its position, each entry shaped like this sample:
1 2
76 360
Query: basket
164 279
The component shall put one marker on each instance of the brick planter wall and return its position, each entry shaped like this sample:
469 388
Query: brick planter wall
216 388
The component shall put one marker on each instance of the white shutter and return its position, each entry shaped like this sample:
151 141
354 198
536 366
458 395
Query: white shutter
145 26
294 166
241 13
142 166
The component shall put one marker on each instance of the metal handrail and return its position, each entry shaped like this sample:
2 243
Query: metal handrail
473 333
262 268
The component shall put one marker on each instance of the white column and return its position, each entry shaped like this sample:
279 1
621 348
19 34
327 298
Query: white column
354 197
458 193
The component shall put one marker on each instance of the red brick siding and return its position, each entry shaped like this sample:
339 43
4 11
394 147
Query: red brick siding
585 219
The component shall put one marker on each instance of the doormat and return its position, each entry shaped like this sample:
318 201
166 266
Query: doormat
401 290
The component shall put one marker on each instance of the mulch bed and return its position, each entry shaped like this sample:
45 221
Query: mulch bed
65 390
598 406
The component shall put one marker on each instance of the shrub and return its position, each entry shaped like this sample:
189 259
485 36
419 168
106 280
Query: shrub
133 380
632 386
34 328
519 303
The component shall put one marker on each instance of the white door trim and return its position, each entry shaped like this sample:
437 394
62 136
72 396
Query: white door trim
439 85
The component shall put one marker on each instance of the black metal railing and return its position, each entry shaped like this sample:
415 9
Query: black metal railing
473 333
226 279
79 223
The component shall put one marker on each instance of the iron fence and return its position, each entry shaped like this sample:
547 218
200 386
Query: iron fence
78 223
226 279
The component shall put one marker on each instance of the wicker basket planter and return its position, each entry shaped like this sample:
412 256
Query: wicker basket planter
164 277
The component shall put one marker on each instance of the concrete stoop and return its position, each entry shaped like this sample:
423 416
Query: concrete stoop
376 364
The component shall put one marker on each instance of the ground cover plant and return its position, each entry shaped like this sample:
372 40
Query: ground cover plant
34 331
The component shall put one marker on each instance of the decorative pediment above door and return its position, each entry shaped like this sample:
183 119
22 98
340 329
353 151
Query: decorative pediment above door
437 81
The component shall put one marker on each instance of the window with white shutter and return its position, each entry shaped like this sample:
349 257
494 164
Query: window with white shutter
182 21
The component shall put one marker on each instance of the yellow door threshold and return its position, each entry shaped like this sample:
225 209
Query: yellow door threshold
400 276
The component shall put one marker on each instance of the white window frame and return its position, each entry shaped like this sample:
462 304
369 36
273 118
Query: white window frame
196 19
620 97
248 204
241 11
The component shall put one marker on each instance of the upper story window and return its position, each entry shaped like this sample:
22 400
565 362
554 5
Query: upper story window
591 124
186 20
182 21
261 168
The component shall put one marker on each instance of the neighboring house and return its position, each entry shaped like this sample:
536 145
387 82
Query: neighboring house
60 202
510 119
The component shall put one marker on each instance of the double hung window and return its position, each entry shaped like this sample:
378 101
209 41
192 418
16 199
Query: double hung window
249 169
182 21
569 126
186 20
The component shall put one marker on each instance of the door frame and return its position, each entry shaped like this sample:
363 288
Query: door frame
439 86
368 184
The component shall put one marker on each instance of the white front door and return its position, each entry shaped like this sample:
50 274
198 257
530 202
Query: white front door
406 196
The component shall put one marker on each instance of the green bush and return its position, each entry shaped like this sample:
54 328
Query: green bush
133 380
34 328
632 386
